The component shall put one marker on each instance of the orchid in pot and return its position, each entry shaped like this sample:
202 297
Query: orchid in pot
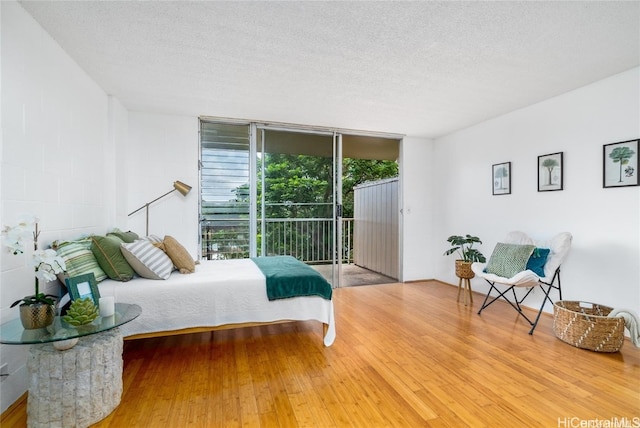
37 310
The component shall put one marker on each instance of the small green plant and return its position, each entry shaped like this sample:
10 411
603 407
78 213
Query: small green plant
463 245
81 312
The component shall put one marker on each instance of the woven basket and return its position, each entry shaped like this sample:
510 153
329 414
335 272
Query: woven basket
586 325
463 269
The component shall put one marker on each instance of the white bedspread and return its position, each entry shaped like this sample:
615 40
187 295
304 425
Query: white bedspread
220 292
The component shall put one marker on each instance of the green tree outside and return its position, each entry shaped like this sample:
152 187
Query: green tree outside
301 186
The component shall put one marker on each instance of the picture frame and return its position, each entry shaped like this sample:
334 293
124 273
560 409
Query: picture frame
501 178
550 172
620 164
83 286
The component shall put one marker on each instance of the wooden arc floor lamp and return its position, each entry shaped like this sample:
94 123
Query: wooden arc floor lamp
177 185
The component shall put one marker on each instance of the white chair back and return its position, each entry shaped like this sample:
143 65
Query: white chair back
559 247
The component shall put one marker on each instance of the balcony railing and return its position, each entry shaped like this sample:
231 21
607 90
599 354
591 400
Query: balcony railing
309 239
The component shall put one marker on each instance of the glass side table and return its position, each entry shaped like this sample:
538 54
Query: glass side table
77 385
12 332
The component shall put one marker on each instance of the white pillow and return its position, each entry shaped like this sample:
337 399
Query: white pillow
148 261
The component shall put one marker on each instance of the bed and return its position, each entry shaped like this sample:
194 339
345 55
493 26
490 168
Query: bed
220 294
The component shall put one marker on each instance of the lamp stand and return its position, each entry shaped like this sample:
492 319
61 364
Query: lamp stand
178 185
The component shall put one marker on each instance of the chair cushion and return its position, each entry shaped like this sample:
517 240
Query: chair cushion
509 259
559 245
537 261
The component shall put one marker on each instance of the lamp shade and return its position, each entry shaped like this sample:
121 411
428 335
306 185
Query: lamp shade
181 187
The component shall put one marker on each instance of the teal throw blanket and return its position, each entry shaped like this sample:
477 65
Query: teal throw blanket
289 277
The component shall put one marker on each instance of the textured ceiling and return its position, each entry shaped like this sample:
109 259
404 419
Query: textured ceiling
415 68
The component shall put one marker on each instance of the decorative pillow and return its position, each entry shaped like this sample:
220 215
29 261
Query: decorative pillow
84 241
148 261
79 259
110 258
127 237
537 261
509 259
178 255
152 238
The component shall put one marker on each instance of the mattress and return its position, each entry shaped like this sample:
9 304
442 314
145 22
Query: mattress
220 292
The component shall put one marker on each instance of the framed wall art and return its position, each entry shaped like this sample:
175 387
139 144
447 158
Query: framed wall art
501 177
83 286
550 172
620 164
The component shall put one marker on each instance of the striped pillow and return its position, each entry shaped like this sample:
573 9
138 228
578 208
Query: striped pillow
80 260
148 261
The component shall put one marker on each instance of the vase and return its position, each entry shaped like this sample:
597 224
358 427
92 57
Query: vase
37 315
63 345
463 269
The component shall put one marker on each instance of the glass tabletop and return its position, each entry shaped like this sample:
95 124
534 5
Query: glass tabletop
12 332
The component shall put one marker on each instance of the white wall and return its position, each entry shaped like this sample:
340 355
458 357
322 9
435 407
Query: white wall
54 140
603 266
418 248
116 158
162 149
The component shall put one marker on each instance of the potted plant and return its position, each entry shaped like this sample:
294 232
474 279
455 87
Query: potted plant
37 310
463 246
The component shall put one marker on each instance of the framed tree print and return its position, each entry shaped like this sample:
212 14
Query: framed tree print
501 175
620 164
550 172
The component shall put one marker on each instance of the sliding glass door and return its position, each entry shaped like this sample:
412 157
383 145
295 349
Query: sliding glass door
271 191
298 207
268 190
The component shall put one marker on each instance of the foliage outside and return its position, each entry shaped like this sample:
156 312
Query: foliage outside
297 187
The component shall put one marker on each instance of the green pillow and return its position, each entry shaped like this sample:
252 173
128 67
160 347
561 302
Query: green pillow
80 260
509 259
127 237
110 258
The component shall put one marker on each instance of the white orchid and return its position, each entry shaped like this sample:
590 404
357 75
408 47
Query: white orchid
15 237
46 263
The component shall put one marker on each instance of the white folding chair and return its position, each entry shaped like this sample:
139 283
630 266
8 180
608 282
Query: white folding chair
559 247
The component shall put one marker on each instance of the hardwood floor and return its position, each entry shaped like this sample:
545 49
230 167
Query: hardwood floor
405 355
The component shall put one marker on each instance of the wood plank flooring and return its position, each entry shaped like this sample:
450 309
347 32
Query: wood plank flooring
405 355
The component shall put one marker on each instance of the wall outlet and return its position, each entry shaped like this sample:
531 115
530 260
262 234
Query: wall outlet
4 371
